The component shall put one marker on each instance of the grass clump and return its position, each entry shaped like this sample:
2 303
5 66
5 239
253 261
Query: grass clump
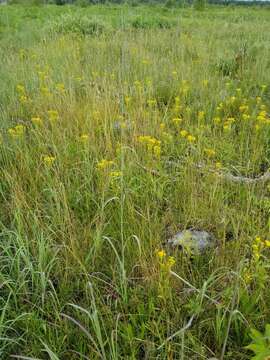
152 23
77 24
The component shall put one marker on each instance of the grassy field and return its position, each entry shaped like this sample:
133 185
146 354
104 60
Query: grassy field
121 126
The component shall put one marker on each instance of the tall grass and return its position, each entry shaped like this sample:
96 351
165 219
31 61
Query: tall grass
111 142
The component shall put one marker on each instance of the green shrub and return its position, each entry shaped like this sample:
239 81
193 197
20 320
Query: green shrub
26 2
170 3
78 25
199 4
151 23
82 3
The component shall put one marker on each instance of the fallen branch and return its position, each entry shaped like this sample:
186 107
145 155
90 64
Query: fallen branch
228 176
247 180
221 174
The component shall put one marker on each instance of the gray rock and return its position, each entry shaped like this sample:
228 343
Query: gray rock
193 241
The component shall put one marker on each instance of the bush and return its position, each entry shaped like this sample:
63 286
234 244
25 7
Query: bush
151 23
26 2
82 3
78 25
199 4
170 3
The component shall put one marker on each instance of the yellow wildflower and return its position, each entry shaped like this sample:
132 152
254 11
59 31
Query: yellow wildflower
137 83
115 174
162 126
217 120
17 131
104 164
157 151
210 152
60 87
84 138
20 88
246 116
161 254
183 133
191 138
49 160
152 102
177 121
243 108
53 115
36 120
23 99
201 115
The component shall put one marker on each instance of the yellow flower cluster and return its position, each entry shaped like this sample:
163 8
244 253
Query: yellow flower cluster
20 89
138 85
177 106
60 87
115 174
258 246
53 115
245 116
84 138
49 160
153 145
243 108
43 75
201 115
22 94
210 152
247 275
104 164
217 120
36 120
151 102
263 117
166 262
220 107
228 123
17 132
190 138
